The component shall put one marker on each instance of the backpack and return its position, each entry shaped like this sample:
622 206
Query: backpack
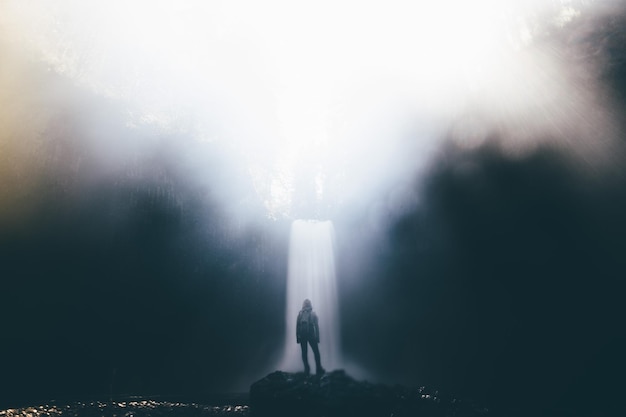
305 324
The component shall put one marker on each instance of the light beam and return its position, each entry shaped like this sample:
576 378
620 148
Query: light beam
306 89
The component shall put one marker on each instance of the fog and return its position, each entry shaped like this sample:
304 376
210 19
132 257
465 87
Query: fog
154 154
296 97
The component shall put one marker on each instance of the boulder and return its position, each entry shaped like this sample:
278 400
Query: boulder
336 394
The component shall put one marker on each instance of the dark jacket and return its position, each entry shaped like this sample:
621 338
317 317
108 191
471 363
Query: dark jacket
307 329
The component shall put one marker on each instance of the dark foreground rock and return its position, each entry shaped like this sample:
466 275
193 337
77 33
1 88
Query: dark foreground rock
336 394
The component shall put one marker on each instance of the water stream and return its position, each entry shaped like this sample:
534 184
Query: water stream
311 274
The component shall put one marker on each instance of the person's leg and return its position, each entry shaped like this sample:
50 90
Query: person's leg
305 356
316 353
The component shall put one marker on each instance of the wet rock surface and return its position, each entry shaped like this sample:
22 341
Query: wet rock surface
281 394
337 394
140 408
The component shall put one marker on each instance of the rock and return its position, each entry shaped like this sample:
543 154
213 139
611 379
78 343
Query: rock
337 394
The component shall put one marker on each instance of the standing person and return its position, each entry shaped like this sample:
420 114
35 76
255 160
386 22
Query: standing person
308 333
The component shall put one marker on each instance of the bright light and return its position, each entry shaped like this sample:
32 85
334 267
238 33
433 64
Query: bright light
312 275
301 89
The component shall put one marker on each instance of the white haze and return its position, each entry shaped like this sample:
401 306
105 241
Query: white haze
311 275
347 96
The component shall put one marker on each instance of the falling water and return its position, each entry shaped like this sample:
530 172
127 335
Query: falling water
311 274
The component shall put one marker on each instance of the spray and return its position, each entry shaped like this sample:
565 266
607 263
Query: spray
311 274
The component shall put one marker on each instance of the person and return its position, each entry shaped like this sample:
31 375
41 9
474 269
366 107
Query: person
308 333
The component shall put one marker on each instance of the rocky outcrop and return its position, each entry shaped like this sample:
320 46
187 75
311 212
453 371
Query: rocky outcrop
336 394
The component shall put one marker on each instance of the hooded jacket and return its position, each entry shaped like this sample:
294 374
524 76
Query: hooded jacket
307 328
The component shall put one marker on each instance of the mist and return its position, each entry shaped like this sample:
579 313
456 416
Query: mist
154 155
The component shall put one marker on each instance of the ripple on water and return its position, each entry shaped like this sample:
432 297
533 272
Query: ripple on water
143 408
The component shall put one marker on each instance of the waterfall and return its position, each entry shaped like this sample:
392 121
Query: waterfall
311 274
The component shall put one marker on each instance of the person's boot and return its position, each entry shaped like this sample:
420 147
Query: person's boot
320 371
307 370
